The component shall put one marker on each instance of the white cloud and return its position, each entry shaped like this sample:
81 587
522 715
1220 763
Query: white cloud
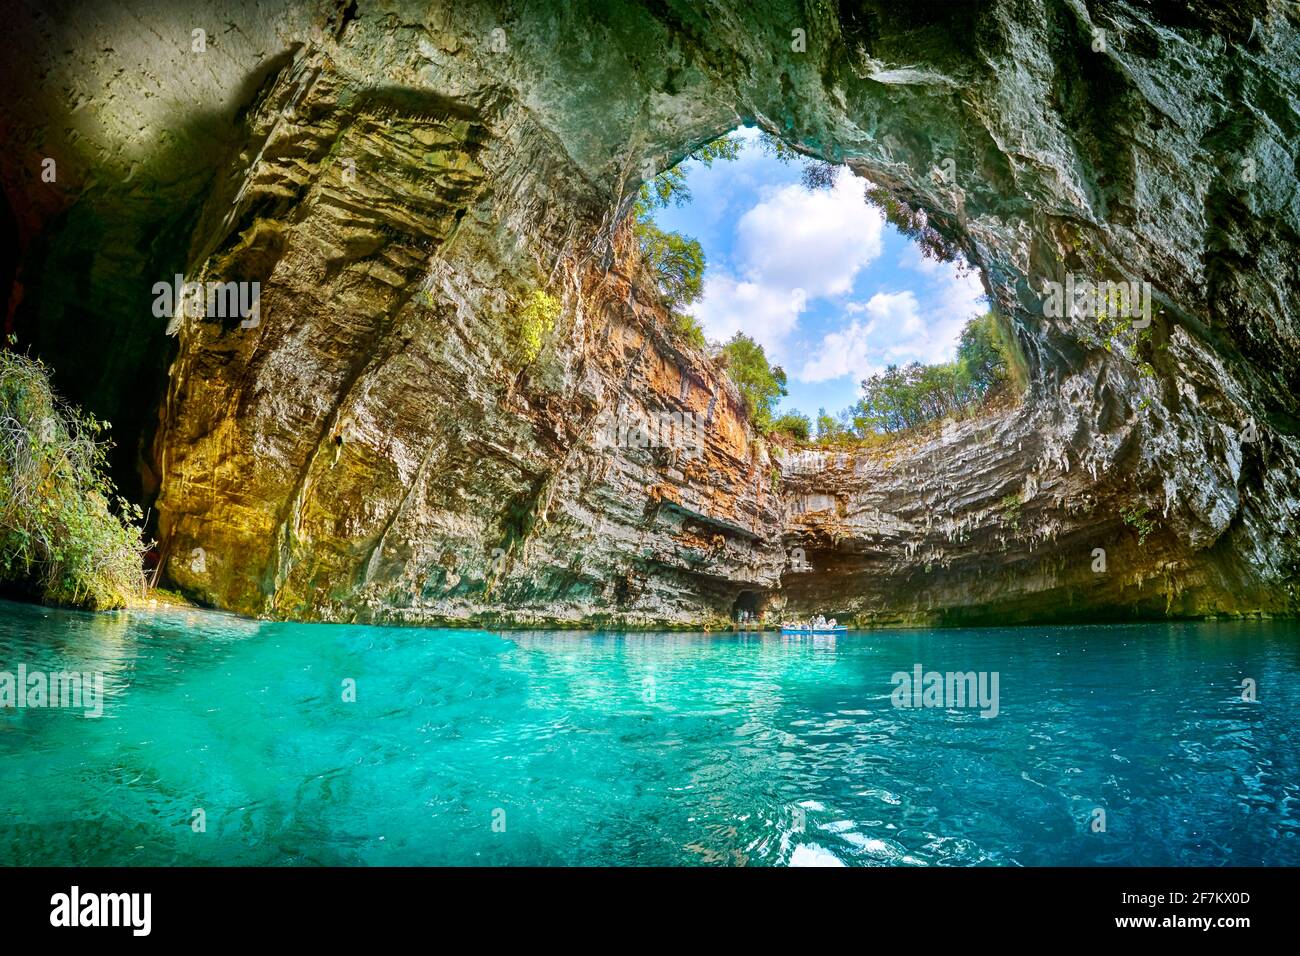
793 246
958 298
842 353
963 291
797 253
898 330
766 314
954 294
813 240
898 309
847 352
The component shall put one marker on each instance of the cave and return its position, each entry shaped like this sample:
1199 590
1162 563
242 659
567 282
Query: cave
747 607
432 199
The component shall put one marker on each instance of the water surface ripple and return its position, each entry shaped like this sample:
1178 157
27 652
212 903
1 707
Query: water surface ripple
470 747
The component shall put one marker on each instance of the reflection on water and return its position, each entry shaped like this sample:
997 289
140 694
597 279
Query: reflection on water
539 747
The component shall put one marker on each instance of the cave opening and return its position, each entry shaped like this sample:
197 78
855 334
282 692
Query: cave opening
845 312
856 319
747 607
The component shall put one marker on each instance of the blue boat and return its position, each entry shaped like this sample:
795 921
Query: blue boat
804 629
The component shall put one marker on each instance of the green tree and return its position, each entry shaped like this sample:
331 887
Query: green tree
904 397
813 173
761 385
674 260
831 429
795 424
913 222
65 536
677 263
670 188
778 149
981 354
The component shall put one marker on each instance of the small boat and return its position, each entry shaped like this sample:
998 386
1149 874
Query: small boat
818 625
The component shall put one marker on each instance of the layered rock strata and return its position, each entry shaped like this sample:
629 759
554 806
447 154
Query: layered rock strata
432 199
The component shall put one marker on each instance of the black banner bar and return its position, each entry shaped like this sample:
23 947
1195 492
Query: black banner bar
333 906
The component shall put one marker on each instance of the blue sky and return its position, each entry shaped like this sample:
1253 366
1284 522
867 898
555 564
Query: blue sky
831 291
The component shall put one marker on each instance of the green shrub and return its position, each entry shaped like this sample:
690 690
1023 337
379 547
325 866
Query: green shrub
690 330
794 424
59 537
1011 506
536 320
1136 518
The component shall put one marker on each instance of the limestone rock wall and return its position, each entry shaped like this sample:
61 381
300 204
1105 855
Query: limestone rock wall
400 438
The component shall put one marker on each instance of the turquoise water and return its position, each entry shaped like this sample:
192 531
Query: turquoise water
468 747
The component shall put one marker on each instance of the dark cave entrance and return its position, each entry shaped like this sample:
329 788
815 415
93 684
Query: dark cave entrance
747 607
9 291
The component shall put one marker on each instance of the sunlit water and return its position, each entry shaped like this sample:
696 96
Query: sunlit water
469 747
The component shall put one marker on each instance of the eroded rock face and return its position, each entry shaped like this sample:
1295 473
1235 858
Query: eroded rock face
452 327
